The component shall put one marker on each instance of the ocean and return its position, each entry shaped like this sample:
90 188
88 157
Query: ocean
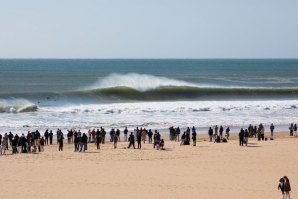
151 93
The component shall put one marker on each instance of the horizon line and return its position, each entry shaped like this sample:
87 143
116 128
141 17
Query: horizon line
64 58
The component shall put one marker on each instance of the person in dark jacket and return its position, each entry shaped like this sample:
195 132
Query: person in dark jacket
210 133
98 140
246 135
51 137
60 141
14 144
194 138
46 135
241 137
287 187
131 140
139 139
150 134
84 142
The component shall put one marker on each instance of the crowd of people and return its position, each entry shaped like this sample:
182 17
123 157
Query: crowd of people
35 142
32 142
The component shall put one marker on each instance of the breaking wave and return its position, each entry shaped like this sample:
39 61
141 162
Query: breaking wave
16 106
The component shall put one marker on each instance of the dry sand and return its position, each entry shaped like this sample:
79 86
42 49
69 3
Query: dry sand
208 170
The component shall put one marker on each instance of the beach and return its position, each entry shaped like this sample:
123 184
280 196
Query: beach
209 170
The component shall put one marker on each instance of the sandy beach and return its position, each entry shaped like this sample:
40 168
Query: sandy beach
208 170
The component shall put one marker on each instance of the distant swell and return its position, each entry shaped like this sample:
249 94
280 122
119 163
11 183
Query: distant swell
186 92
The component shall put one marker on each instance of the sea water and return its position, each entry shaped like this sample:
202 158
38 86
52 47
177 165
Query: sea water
156 94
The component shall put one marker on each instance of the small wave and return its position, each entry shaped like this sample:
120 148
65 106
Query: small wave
201 109
17 106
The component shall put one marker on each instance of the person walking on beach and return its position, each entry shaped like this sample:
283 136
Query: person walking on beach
241 137
287 188
272 129
131 140
281 187
210 133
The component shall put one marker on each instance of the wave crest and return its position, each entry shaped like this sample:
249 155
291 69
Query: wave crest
139 82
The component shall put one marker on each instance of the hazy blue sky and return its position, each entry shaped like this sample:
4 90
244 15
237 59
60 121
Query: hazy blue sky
149 29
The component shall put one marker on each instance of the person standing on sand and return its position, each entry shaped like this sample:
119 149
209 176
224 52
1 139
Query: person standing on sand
51 137
272 129
131 140
177 132
60 141
150 134
291 128
125 134
115 141
194 137
118 134
262 129
241 137
84 142
295 130
103 135
215 131
4 143
246 135
228 133
221 131
183 138
98 140
139 139
210 133
144 134
42 142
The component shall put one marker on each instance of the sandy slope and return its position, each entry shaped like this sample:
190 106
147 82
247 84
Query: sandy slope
206 171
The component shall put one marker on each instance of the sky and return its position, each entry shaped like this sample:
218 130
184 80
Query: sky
149 29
